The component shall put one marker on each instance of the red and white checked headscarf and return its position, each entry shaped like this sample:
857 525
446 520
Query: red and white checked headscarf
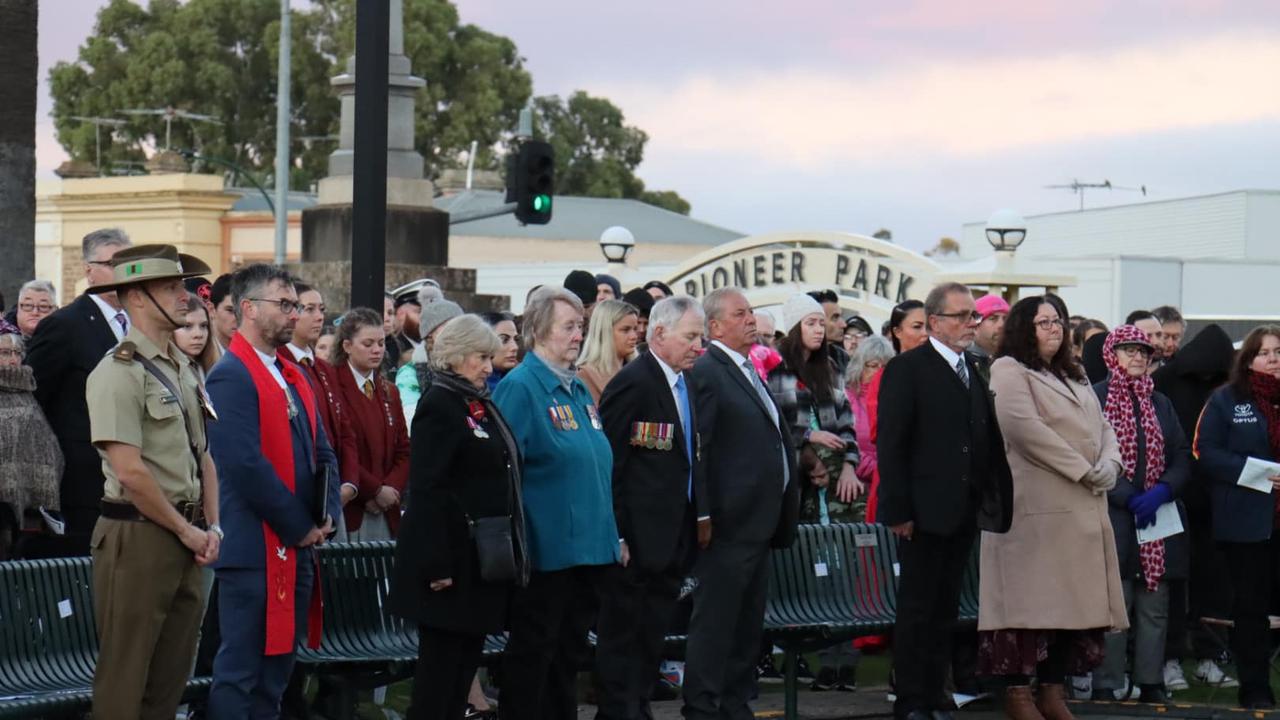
1122 390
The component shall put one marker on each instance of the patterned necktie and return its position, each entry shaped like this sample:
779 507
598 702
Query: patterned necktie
123 321
682 392
963 371
368 389
773 413
306 360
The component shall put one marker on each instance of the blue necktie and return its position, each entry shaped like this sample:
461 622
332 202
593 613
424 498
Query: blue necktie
682 392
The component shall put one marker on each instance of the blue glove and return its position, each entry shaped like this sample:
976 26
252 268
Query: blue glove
1144 505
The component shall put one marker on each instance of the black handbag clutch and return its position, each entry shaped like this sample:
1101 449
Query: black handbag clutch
494 547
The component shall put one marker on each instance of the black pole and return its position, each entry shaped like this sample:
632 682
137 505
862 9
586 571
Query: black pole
369 192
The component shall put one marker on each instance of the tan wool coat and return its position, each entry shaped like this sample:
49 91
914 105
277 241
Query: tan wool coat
1056 568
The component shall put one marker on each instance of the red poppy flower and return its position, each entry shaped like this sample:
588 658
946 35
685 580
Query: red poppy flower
476 409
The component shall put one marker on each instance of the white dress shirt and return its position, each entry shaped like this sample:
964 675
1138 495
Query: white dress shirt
270 362
951 356
109 314
672 377
300 353
360 379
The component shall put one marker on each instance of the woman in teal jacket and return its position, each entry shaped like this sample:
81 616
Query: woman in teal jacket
568 505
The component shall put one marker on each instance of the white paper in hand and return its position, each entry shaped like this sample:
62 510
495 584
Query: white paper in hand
1167 524
1257 473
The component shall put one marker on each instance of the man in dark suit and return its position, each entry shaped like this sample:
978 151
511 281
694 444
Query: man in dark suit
754 496
66 347
659 491
269 444
943 476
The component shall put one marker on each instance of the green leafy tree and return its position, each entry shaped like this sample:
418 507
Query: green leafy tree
596 151
212 57
476 81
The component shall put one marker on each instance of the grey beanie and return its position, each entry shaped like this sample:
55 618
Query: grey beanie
435 315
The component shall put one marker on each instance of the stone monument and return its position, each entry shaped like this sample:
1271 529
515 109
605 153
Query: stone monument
417 234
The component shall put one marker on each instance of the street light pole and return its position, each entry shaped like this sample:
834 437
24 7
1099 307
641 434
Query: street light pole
282 135
369 176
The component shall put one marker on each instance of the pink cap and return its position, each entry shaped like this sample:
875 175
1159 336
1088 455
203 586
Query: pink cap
991 305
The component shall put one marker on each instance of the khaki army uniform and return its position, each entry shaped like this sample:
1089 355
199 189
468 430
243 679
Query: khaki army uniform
146 583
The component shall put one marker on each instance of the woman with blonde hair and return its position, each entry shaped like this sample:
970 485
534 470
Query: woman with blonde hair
610 343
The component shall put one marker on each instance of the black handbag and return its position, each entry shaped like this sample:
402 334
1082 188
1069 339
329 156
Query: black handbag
494 547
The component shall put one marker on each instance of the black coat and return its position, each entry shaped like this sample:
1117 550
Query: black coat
1199 368
744 451
939 448
1177 475
650 485
453 474
65 348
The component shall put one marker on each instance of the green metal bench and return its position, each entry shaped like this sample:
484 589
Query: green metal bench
836 582
49 639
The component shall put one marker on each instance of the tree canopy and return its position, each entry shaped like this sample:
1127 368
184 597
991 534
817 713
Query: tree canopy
219 58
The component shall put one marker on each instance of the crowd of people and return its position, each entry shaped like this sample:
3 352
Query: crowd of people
624 463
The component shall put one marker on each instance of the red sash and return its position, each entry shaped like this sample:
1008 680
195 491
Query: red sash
277 448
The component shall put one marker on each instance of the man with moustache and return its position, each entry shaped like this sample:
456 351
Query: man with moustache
147 420
659 491
754 501
65 348
270 446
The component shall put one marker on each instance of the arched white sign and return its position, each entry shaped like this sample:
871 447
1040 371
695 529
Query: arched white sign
870 276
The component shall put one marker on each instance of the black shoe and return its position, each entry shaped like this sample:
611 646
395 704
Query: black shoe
1258 700
1154 694
826 680
766 671
802 668
664 690
847 678
1103 695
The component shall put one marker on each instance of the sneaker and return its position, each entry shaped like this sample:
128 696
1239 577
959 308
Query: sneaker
825 680
767 672
1081 686
1208 672
802 669
1174 679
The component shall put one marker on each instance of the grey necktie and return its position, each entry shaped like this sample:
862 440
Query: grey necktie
773 413
963 371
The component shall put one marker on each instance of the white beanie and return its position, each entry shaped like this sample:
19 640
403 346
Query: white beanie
799 307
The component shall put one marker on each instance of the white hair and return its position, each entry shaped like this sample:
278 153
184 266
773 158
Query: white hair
460 337
540 312
667 312
106 237
43 286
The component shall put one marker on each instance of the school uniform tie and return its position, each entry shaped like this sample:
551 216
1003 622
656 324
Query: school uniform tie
368 389
682 392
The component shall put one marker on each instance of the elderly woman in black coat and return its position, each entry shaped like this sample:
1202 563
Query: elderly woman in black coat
464 473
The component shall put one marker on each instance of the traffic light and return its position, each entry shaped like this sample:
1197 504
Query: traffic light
532 182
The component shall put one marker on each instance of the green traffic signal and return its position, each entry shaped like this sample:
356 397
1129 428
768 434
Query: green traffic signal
542 203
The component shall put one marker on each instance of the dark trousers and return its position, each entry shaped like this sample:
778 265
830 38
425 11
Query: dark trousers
548 643
1252 567
248 685
636 608
932 569
725 630
1207 593
446 663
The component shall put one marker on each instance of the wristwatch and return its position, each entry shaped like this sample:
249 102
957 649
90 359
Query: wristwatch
216 529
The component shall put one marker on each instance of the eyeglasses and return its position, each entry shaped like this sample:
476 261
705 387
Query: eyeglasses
972 317
1046 324
1134 350
288 307
6 353
856 335
32 307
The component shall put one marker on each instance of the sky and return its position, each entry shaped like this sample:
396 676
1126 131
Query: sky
913 115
